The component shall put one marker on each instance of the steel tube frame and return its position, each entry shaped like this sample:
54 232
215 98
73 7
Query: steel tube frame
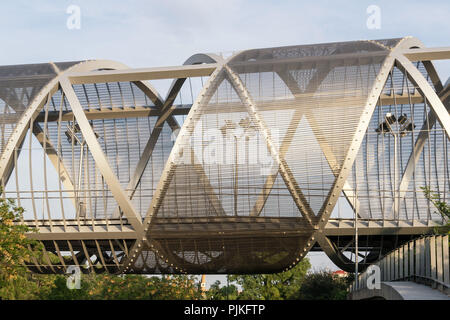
131 225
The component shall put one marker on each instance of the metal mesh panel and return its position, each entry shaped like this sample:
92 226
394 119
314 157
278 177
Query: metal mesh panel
111 95
219 255
252 172
301 94
19 84
122 140
227 168
384 188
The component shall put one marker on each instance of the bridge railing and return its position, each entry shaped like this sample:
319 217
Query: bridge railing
424 260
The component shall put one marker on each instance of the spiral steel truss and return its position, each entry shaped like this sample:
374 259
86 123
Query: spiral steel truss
272 141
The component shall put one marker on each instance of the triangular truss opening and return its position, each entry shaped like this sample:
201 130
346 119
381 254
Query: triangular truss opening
403 150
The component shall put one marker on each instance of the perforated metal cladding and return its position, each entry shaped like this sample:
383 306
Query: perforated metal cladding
390 43
215 255
122 141
297 97
380 176
19 84
227 168
111 95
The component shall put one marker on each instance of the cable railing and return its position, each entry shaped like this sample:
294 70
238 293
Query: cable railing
424 260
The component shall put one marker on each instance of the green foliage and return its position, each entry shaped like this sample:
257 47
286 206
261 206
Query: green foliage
125 287
434 198
179 287
278 286
15 250
323 285
16 282
216 292
442 207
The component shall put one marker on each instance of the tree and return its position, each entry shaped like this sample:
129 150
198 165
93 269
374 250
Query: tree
126 287
177 287
15 250
58 290
216 292
323 285
278 286
442 207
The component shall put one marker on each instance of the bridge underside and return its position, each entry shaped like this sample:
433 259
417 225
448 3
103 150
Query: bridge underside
212 246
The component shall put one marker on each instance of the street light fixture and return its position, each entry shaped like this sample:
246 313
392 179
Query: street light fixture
71 134
249 129
395 127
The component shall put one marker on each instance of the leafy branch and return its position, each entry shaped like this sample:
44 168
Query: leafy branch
442 207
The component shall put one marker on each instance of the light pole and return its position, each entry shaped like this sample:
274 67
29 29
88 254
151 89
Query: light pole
397 128
71 134
230 125
248 130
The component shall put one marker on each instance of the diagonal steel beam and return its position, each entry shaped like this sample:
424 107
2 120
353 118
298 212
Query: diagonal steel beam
142 74
416 77
357 139
166 116
326 149
285 172
17 105
423 135
33 109
169 169
100 158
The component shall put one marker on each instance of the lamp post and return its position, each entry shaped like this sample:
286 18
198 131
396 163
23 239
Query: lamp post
230 125
71 134
398 128
249 130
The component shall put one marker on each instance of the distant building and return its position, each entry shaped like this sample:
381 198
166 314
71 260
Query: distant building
340 273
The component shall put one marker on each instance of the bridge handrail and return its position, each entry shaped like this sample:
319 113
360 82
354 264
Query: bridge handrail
423 260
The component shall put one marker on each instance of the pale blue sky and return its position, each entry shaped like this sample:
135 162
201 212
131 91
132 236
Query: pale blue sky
158 33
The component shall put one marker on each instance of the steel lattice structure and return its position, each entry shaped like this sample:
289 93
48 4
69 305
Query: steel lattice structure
88 149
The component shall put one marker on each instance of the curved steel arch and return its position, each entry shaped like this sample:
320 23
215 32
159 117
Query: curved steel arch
172 92
238 86
166 116
284 242
328 247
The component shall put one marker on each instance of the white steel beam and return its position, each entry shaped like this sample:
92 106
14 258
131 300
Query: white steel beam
434 101
284 170
427 54
100 158
142 74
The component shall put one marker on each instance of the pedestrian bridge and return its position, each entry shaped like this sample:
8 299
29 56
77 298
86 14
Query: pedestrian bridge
399 290
417 270
246 164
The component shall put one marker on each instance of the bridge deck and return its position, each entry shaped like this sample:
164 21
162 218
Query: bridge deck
400 290
225 226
